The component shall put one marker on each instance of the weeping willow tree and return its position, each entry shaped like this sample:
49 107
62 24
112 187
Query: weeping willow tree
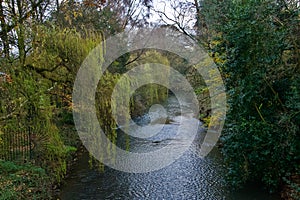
40 94
61 60
128 102
50 71
58 54
151 93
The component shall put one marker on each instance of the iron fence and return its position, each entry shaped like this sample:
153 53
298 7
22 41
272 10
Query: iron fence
15 147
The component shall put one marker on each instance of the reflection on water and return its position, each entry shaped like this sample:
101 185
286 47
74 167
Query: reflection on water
189 177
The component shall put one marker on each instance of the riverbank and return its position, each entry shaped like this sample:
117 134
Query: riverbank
27 180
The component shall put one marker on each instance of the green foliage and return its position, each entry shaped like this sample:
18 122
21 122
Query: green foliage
36 119
264 153
38 99
58 53
58 61
149 94
142 99
253 42
178 63
22 182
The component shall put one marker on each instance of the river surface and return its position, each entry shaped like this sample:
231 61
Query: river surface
188 177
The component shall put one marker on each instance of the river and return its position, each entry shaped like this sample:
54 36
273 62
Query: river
188 177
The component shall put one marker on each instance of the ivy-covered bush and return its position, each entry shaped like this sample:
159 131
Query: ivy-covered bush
257 49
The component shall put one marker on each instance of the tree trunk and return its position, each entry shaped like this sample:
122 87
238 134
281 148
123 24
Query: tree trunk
4 32
21 34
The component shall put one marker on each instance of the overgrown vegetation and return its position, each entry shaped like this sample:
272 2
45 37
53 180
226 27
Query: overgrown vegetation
43 43
23 182
39 104
256 44
36 104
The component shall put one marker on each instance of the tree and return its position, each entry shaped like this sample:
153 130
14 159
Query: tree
184 15
111 17
257 50
17 20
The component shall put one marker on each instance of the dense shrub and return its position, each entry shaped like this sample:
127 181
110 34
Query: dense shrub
257 49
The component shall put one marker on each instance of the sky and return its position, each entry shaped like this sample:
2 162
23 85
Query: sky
185 18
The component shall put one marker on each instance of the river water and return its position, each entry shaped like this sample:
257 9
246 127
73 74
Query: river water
188 177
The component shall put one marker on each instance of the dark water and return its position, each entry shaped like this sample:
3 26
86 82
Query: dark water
188 177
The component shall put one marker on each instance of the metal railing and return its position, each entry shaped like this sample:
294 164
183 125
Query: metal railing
15 147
